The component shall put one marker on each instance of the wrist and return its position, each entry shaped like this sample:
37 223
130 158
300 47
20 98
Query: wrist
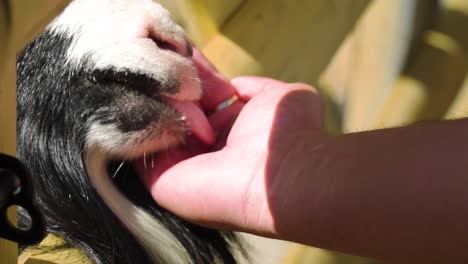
299 189
378 193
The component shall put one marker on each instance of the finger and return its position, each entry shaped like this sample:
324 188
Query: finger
196 189
223 118
222 122
216 88
249 86
222 137
150 168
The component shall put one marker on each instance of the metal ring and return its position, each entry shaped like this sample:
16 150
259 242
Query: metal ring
226 103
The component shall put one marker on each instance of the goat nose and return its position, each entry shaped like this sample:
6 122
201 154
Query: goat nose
182 47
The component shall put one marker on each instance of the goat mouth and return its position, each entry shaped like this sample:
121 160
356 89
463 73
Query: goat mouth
195 127
199 135
192 126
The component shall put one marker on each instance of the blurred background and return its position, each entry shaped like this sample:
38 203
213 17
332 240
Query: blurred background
380 63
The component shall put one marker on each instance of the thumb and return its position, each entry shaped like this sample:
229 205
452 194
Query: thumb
250 86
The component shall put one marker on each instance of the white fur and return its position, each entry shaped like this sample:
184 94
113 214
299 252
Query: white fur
117 34
157 240
128 145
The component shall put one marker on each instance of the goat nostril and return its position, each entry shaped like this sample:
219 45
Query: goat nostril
183 47
189 48
166 46
189 51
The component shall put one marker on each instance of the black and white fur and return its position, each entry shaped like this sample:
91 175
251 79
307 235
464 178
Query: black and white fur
90 98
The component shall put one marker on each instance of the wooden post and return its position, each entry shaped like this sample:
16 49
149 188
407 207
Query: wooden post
435 75
202 19
459 108
289 40
381 44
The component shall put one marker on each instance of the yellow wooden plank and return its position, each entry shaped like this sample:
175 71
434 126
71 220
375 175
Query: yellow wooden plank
336 77
333 119
199 25
290 40
459 107
351 74
305 255
8 107
201 19
377 58
381 45
454 18
8 250
459 12
4 35
433 78
28 18
221 10
407 97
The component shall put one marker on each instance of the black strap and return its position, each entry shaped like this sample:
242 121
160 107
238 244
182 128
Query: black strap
16 188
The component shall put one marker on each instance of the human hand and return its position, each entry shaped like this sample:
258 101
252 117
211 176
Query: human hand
257 171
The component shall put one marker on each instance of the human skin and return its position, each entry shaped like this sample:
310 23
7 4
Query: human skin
395 194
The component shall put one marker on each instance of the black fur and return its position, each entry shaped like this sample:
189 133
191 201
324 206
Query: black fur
56 106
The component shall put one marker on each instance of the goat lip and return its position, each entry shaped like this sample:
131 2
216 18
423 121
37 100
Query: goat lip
215 89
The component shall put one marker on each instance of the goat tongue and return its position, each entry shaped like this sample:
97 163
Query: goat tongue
216 89
195 119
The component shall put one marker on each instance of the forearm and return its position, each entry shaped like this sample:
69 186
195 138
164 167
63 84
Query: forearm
396 194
